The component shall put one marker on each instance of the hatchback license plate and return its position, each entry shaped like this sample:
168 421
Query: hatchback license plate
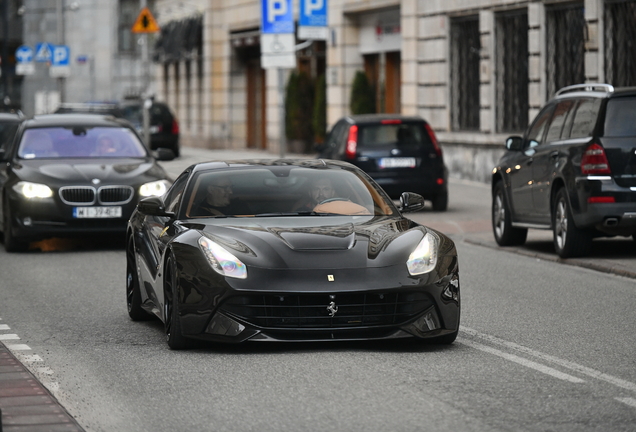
406 162
97 212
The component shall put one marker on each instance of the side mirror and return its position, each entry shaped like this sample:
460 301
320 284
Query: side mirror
410 202
163 154
514 143
153 206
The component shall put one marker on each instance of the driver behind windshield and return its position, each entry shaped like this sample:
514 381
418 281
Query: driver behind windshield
321 190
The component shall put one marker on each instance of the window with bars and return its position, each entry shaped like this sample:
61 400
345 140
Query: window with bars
565 47
620 43
465 48
511 34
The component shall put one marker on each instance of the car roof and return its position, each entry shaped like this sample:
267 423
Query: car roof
596 90
92 120
362 119
238 163
11 117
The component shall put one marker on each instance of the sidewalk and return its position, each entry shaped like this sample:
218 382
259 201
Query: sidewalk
25 404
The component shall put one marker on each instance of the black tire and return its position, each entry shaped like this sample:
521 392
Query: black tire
569 241
11 242
172 320
505 234
440 202
176 151
133 291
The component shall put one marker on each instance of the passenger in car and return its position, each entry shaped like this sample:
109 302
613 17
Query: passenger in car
38 145
218 201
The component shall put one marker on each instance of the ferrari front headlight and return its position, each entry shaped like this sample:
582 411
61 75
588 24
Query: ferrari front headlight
222 261
33 190
155 188
424 258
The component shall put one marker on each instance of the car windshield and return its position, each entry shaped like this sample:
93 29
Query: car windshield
283 191
391 134
619 119
80 142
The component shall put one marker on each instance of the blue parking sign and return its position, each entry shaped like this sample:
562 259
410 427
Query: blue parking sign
277 16
313 13
60 55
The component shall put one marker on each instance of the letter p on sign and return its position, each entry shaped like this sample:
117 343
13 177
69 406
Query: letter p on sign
313 5
276 8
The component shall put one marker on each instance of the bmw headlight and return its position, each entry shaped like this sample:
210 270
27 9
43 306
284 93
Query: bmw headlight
222 261
33 190
155 188
424 258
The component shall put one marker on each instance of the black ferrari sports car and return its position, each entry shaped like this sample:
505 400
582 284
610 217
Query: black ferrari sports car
74 174
288 250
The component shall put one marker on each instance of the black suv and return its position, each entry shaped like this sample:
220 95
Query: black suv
399 152
573 171
164 126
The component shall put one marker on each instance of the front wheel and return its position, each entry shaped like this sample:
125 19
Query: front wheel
172 320
569 241
505 233
440 202
11 243
133 292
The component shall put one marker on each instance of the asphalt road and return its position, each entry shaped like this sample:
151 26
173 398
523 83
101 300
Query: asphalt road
544 346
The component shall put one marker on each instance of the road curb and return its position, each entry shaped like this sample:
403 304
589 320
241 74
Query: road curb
569 261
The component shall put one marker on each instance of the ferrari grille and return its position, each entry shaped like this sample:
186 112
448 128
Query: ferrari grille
316 311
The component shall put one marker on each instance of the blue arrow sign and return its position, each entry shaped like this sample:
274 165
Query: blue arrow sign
61 55
43 52
276 16
24 54
313 13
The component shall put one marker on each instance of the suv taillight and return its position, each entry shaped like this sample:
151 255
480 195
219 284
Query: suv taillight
594 161
431 134
175 127
352 142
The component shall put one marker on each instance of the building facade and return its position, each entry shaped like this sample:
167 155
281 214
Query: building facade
105 62
477 70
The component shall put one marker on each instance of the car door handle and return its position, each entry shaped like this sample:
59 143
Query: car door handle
554 154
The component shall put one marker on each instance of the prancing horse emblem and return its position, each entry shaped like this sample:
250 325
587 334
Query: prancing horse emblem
332 309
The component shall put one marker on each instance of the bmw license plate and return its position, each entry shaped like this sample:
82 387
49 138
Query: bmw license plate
404 162
97 212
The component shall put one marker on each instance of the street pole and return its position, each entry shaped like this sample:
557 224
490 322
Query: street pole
146 103
60 41
5 51
281 110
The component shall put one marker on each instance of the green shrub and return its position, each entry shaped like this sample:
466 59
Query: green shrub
362 95
320 109
299 104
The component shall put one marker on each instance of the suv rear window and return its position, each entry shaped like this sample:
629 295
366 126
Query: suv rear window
619 117
392 134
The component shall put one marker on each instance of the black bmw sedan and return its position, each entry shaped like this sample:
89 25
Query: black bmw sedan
288 250
74 174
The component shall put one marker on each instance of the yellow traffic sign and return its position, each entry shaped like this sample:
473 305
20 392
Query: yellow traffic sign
145 23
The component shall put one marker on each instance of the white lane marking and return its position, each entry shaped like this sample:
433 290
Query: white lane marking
593 373
18 347
5 337
4 327
45 370
524 362
627 401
